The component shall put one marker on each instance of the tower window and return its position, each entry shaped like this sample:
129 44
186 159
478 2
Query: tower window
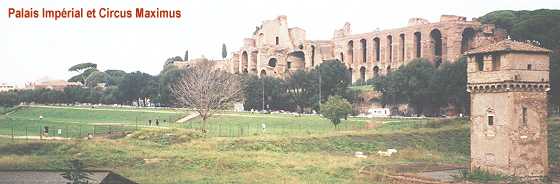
480 62
496 62
529 67
490 120
277 40
524 114
289 65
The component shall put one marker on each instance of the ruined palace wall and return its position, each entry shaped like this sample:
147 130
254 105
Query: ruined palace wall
398 46
275 39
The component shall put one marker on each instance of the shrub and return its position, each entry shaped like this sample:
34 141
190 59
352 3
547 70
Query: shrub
335 109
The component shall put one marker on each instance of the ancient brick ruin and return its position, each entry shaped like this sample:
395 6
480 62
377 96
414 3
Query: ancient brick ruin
275 49
508 83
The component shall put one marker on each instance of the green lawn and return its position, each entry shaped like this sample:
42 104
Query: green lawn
76 121
234 124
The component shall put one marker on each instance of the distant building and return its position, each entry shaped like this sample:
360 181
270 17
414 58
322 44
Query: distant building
6 87
57 85
52 176
379 112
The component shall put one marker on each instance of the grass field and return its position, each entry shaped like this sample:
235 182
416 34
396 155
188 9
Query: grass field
305 149
78 121
73 120
240 124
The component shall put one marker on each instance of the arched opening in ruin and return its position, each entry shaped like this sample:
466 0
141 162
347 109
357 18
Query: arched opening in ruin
296 60
401 47
363 43
342 57
244 61
362 74
272 62
467 40
277 40
350 51
375 72
313 55
245 70
390 49
418 44
263 73
437 45
377 45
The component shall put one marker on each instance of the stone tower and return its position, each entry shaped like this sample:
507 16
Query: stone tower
508 83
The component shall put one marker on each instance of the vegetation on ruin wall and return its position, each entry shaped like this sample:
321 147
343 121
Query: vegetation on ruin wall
538 25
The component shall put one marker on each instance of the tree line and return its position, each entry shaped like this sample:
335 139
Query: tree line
118 87
301 90
427 89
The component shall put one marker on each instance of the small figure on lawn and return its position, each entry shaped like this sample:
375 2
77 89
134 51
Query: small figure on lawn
157 122
263 127
46 131
150 122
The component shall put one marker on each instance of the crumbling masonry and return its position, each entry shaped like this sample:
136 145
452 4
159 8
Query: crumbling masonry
275 49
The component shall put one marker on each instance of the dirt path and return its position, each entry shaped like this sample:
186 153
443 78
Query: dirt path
188 117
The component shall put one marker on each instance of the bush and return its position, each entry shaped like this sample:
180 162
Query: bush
335 109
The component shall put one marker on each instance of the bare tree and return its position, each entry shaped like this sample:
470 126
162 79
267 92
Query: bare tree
206 90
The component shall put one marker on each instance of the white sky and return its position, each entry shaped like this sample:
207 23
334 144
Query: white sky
31 49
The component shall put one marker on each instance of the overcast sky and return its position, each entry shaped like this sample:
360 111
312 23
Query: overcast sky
32 49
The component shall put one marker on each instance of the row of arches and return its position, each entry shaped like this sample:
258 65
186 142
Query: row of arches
436 45
362 72
245 65
294 59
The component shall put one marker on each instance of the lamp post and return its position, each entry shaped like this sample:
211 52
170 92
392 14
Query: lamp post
319 69
262 80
